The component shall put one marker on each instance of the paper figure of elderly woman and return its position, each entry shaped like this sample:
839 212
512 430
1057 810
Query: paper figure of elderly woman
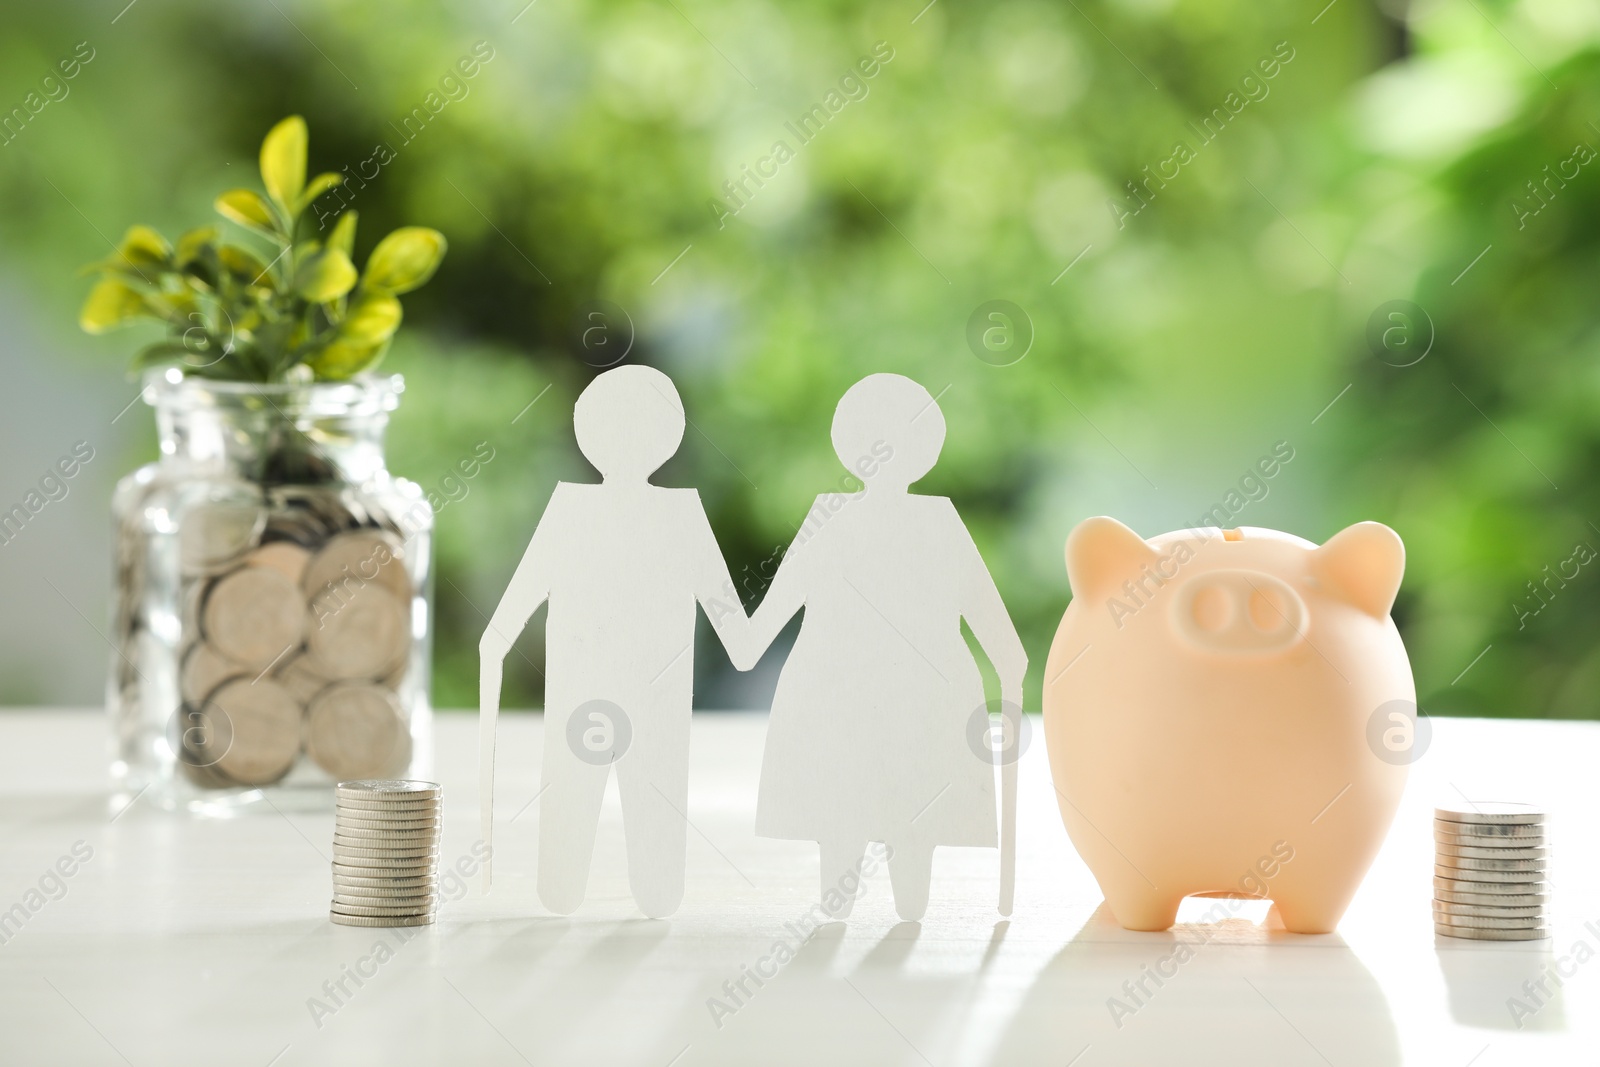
869 735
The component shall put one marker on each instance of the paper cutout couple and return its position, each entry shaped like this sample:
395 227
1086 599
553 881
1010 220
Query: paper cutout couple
869 738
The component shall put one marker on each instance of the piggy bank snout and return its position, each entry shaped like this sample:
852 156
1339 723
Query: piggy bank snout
1245 612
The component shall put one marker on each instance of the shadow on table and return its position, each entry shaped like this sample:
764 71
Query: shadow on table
1224 993
1503 985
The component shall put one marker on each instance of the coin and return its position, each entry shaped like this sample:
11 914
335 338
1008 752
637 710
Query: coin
355 867
388 809
401 871
383 827
250 731
294 520
424 887
1487 876
396 920
1492 829
391 832
412 846
396 801
357 855
391 875
1498 900
383 909
356 559
364 634
1488 911
353 825
285 557
408 812
194 594
388 789
295 674
394 850
417 901
354 856
1490 812
1478 922
253 616
213 535
397 677
206 777
1534 840
346 853
350 883
357 730
1471 934
204 668
1469 863
1497 882
1531 852
386 802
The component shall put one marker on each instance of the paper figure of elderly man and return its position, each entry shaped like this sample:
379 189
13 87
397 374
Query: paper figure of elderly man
622 564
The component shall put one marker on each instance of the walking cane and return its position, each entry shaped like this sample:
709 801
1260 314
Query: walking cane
489 672
1010 751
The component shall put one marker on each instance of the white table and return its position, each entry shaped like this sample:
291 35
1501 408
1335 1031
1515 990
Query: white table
190 941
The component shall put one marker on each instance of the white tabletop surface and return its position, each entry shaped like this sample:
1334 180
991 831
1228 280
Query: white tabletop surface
183 940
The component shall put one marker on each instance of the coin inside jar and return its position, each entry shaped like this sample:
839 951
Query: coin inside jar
357 731
213 535
361 632
285 557
356 559
297 676
254 615
249 731
204 668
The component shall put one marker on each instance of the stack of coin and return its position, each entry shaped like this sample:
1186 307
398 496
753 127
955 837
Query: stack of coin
386 853
296 636
1489 872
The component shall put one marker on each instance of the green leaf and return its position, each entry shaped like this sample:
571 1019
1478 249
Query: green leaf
343 359
283 162
110 304
157 353
404 260
361 339
318 185
248 208
371 319
241 264
343 236
143 248
325 276
192 245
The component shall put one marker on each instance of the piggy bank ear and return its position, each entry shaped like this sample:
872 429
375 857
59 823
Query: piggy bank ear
1102 554
1362 564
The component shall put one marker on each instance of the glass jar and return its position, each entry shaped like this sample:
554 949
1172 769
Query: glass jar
272 605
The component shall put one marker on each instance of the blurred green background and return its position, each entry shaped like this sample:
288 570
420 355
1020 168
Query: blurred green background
1441 153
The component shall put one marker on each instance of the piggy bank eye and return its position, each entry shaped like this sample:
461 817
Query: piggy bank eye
1212 608
1267 610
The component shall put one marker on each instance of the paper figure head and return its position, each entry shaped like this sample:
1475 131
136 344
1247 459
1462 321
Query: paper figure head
629 421
888 431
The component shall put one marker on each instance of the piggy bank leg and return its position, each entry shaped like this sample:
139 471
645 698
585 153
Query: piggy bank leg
910 875
1137 905
1310 909
1315 885
841 875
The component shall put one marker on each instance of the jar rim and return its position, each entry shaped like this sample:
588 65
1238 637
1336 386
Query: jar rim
169 388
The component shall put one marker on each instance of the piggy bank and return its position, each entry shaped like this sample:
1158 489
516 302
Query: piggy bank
1207 705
